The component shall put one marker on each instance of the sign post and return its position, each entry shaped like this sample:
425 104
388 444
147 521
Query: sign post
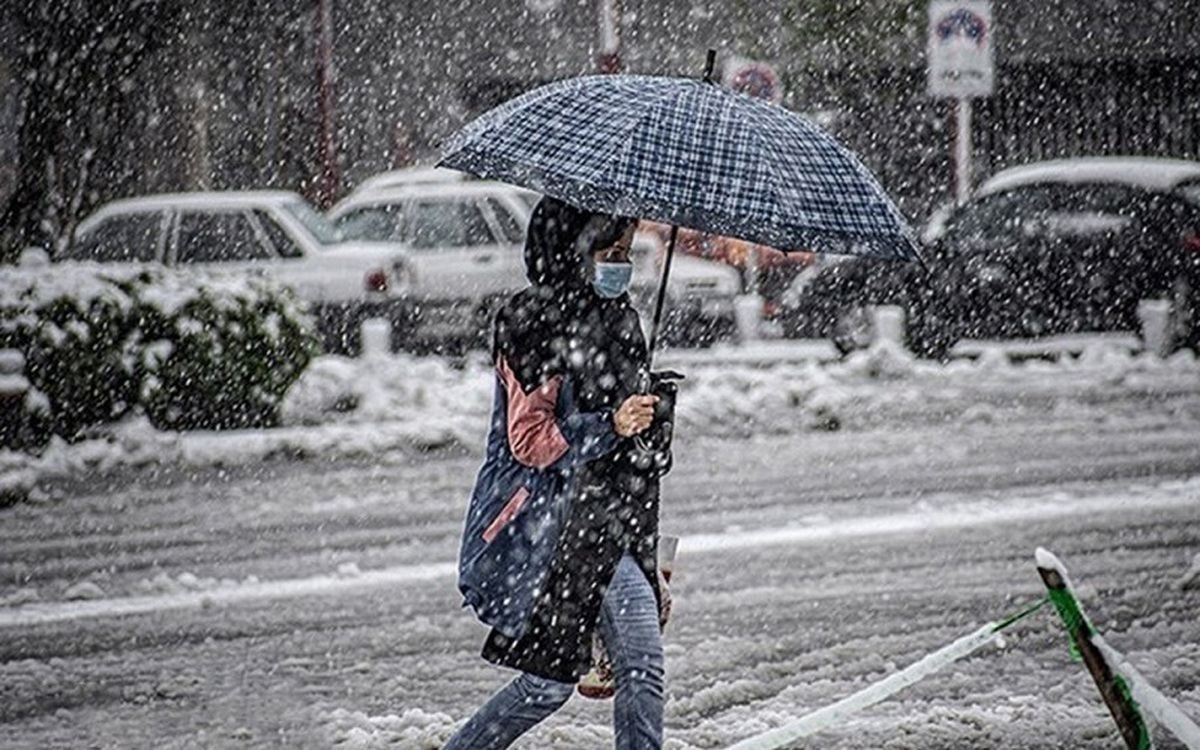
761 81
608 60
960 67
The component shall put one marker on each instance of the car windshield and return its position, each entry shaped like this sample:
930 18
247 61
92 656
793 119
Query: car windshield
1049 210
317 225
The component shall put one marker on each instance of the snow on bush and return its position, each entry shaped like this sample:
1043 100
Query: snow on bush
223 354
189 348
78 335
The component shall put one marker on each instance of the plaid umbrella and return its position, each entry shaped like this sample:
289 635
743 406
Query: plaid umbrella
686 153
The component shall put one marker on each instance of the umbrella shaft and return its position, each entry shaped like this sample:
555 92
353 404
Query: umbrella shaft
662 293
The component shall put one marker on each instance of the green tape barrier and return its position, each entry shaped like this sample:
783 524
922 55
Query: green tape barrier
1072 616
1080 628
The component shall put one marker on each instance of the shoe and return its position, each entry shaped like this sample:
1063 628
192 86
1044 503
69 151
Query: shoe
599 682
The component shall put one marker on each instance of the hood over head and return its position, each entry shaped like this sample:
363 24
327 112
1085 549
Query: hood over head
561 239
531 330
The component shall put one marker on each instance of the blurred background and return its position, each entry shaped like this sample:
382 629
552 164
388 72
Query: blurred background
102 100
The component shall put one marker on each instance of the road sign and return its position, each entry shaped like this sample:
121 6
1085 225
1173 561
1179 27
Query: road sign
754 78
960 48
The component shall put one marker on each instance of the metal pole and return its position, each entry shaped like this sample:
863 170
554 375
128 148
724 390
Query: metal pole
1120 704
962 151
327 150
662 295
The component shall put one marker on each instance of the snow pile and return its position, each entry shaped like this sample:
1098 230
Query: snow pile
414 730
382 403
386 388
164 583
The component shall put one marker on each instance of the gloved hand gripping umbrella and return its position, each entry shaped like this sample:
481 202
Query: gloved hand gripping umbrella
686 153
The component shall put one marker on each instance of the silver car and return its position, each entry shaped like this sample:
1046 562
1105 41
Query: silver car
698 307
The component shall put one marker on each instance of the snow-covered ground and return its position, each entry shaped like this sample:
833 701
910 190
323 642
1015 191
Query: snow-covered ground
838 521
361 407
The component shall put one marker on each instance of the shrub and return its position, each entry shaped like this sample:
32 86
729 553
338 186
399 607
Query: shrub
224 356
193 350
24 411
76 333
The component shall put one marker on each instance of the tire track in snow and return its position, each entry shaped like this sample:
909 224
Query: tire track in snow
920 520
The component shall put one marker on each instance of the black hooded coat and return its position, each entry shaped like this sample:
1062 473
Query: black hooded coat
560 327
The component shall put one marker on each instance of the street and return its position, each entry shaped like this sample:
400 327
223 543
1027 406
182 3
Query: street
311 603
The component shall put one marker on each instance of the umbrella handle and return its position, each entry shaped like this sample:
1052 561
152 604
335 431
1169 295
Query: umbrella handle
662 293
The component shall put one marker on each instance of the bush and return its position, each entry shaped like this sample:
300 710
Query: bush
192 350
24 411
224 357
74 331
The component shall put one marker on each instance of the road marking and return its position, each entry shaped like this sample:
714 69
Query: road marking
1167 496
1007 510
38 614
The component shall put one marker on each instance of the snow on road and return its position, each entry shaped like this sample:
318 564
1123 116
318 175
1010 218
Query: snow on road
351 580
839 521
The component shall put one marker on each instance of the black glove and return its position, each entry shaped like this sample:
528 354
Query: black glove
653 452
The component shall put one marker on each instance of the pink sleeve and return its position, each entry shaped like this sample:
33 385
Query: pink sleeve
533 433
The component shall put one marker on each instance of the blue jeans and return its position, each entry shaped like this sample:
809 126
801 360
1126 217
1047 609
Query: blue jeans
629 626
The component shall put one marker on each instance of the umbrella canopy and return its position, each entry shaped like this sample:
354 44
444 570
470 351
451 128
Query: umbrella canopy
686 153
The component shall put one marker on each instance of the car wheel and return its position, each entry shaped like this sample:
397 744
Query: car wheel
853 329
931 336
403 328
339 329
702 333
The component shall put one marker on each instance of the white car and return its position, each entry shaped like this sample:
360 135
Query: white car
698 308
276 233
467 239
466 243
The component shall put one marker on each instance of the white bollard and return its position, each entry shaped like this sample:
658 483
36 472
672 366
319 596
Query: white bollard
376 336
747 311
888 322
1154 315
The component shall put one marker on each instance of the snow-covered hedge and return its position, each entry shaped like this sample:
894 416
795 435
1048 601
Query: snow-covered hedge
189 349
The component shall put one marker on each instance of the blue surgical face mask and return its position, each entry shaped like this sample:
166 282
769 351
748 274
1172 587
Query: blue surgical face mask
612 279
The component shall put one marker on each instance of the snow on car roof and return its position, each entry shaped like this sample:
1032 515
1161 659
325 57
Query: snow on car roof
212 199
1144 172
411 176
395 193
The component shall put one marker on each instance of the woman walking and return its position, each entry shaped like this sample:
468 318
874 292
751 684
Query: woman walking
561 535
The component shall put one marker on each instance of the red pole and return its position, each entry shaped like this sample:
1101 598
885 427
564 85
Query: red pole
327 148
608 60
